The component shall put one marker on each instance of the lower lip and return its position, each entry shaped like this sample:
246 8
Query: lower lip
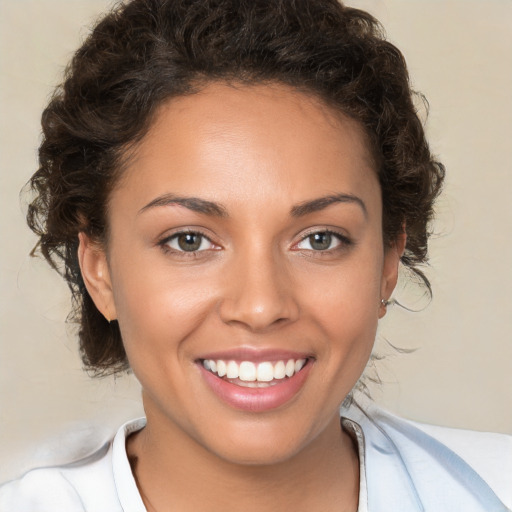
256 399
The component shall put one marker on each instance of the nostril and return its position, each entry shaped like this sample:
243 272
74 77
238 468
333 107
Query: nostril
258 315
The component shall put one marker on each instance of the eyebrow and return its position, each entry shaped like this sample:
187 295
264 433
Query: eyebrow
316 205
205 207
192 203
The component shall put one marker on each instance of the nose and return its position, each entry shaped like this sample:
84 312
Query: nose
259 293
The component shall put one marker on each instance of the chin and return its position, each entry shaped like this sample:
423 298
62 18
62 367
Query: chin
267 441
267 453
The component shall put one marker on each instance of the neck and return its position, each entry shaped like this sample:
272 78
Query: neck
172 469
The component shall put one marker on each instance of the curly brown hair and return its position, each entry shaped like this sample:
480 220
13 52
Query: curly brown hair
146 51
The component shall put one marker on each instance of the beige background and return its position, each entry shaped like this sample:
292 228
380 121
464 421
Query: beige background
460 55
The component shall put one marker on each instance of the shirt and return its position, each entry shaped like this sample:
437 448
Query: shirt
404 466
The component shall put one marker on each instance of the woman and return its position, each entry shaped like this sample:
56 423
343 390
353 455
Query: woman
228 188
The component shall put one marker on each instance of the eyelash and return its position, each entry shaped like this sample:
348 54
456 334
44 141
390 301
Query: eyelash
343 243
164 243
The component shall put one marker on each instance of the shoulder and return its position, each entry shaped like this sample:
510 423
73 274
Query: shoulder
40 490
435 467
86 485
488 453
70 487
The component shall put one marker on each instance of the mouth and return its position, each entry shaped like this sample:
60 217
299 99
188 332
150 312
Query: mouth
255 386
254 375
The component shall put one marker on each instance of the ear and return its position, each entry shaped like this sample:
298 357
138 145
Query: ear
96 275
392 257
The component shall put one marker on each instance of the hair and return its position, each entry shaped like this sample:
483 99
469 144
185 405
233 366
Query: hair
145 52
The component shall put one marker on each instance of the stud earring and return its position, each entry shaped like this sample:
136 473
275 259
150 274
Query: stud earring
384 302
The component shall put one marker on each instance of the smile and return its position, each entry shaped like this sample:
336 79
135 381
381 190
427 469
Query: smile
249 374
258 385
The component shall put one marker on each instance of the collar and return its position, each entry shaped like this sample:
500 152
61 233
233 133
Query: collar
404 468
407 469
127 490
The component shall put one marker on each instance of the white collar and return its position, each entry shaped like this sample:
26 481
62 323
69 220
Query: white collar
402 468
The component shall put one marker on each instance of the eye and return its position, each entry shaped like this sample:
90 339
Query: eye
322 241
188 242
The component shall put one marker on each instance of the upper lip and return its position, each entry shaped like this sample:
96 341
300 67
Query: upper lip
255 355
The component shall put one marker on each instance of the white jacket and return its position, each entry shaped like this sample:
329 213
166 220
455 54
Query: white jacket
405 466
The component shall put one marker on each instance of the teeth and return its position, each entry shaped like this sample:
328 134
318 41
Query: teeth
232 370
279 370
247 371
265 372
299 364
256 384
221 368
255 375
290 368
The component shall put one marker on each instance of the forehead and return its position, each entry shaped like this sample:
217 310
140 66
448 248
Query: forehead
248 143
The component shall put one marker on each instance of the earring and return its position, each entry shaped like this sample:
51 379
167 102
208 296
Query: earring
384 302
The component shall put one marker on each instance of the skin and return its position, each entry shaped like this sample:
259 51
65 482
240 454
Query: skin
258 152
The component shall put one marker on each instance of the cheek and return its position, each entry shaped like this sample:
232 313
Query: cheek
343 302
350 292
158 309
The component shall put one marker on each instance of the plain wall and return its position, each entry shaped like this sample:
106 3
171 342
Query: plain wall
460 54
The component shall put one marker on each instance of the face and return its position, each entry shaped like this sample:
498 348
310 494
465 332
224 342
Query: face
246 267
